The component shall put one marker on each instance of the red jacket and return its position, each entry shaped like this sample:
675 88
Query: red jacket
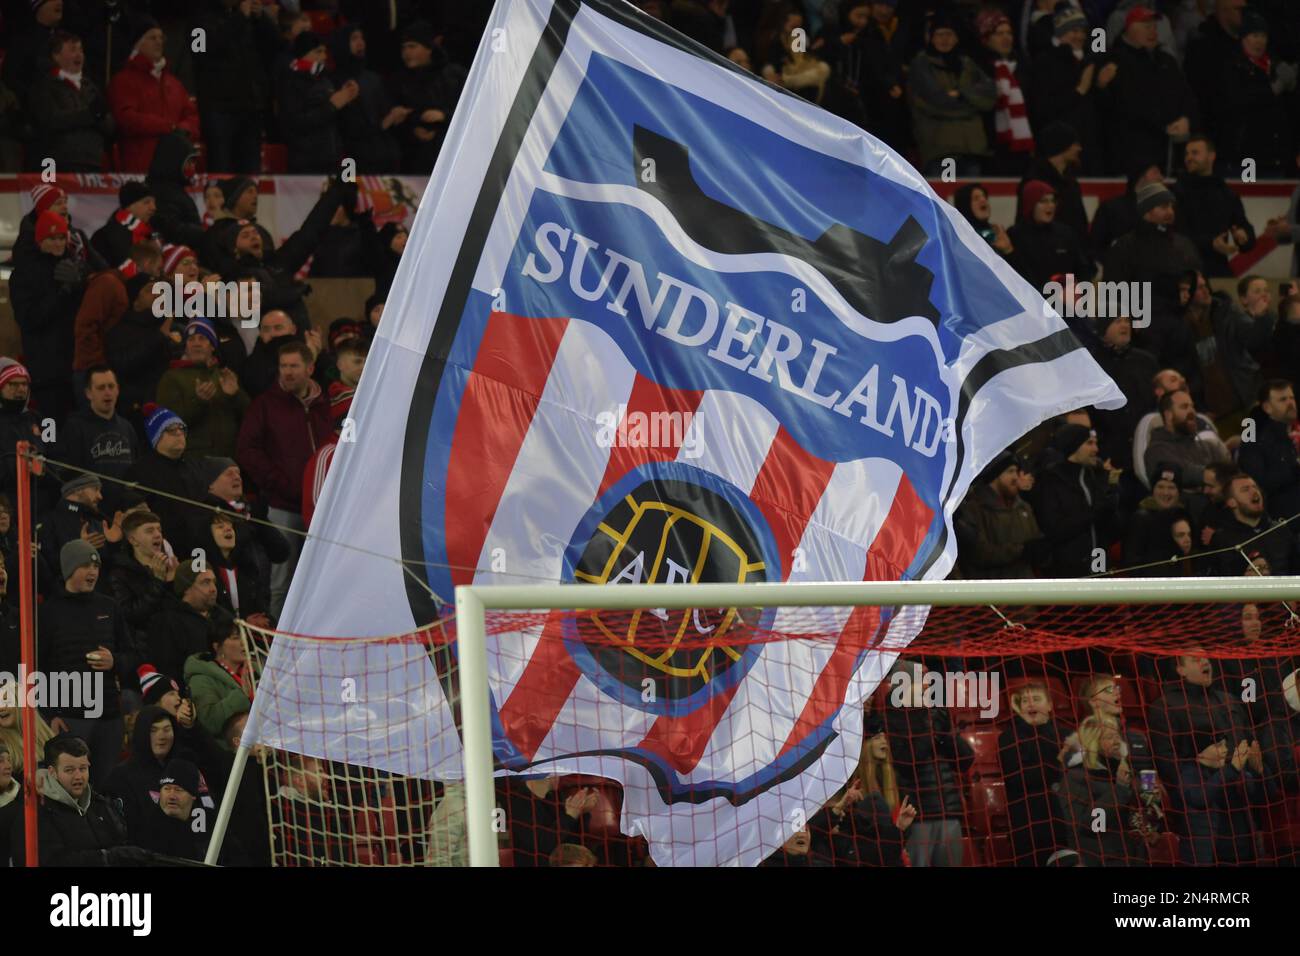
278 437
145 107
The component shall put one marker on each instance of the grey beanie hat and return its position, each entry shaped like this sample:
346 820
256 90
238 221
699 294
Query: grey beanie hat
76 554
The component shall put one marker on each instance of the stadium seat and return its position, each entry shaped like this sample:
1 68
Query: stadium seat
505 857
984 742
970 854
987 806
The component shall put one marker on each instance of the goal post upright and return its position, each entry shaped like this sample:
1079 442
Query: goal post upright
474 601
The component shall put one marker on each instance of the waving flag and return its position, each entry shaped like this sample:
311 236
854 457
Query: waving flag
658 321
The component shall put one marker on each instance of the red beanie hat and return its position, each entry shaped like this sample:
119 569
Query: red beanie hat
45 195
1033 191
50 224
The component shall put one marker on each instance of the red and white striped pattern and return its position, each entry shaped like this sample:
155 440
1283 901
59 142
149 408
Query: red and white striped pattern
520 442
1010 117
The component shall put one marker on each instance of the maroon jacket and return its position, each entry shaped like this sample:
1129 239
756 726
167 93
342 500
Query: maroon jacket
277 439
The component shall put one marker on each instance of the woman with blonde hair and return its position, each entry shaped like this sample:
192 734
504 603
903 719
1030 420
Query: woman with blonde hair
865 824
1098 799
1103 694
11 731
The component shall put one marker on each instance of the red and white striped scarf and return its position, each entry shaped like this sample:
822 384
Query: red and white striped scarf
140 230
72 79
1009 116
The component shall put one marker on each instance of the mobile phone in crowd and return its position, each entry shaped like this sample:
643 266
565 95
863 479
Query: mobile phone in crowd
1146 780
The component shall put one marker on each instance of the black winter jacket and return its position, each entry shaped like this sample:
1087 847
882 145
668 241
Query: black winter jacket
1075 525
73 126
176 218
1208 207
1271 460
309 122
139 595
74 625
929 760
45 311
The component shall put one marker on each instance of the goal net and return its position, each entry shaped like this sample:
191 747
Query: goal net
1029 735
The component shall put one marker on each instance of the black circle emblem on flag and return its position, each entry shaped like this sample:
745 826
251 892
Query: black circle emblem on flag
669 530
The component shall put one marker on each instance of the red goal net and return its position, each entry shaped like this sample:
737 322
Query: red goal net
1025 736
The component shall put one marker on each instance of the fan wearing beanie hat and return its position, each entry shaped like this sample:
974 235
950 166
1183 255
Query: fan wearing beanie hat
1076 503
129 226
1058 156
167 466
155 688
45 288
15 389
423 86
995 525
47 197
203 392
160 423
76 515
78 555
1042 246
1013 138
147 99
310 107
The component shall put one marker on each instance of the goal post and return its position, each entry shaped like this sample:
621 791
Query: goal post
473 603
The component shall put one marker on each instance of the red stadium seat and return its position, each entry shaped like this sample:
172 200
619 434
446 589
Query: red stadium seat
987 806
984 741
505 857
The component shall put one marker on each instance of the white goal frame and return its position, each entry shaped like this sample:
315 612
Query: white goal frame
474 601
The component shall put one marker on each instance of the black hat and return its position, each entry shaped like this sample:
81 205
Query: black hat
138 27
421 32
232 188
135 284
1252 22
305 42
210 469
133 190
1069 438
183 774
998 465
1056 138
1165 471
